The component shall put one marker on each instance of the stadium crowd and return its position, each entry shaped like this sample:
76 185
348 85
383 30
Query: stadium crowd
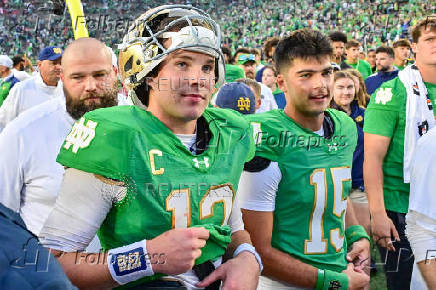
27 27
330 149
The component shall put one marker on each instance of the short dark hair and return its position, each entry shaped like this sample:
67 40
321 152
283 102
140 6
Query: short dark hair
338 36
269 44
241 50
352 43
17 59
401 42
227 51
385 49
371 50
429 21
253 85
255 51
271 68
303 43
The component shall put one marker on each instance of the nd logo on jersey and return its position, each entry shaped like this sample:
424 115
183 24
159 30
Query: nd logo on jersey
81 135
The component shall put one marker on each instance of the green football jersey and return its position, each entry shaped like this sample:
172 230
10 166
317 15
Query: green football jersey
167 185
363 67
386 116
311 200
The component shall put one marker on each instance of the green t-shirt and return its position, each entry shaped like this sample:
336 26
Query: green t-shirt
310 202
386 116
363 67
167 185
234 72
399 67
5 87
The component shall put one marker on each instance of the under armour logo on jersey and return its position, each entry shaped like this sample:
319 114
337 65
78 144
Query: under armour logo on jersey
204 162
81 135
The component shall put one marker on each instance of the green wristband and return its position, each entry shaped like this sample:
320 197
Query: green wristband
320 280
335 280
355 233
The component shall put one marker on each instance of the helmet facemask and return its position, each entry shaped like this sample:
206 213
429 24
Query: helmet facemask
143 47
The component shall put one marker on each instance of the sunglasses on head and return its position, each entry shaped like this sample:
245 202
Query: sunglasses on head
245 57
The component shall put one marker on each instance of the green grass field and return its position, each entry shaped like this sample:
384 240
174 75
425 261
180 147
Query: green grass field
378 280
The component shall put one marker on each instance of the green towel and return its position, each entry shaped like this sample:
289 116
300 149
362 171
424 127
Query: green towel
216 245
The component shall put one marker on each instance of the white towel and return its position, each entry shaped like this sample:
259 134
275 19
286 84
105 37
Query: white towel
419 113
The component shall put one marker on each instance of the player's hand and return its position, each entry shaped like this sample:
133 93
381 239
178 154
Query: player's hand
383 229
241 272
180 247
27 62
357 279
359 254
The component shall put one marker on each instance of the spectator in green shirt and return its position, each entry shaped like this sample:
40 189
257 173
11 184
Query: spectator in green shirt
8 80
352 49
402 53
385 124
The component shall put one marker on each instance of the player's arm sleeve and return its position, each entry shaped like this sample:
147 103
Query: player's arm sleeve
9 108
11 168
381 117
257 190
251 145
235 219
80 209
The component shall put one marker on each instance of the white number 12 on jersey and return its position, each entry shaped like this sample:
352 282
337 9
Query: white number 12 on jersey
179 202
317 244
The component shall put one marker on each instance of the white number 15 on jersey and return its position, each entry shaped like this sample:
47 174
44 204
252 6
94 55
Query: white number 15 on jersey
317 244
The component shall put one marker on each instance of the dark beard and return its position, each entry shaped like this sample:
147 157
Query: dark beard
77 108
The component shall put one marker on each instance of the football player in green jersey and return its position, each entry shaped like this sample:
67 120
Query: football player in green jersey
399 113
158 183
294 193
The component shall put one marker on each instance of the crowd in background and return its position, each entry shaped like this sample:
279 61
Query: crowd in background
371 42
25 29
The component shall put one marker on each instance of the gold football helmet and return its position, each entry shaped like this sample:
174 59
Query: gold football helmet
142 49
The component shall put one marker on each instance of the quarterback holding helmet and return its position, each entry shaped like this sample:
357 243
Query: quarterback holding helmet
158 180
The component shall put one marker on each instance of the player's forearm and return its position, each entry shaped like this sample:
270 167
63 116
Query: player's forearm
86 271
373 177
238 238
350 216
284 267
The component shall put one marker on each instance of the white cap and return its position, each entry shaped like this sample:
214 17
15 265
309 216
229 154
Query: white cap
6 61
